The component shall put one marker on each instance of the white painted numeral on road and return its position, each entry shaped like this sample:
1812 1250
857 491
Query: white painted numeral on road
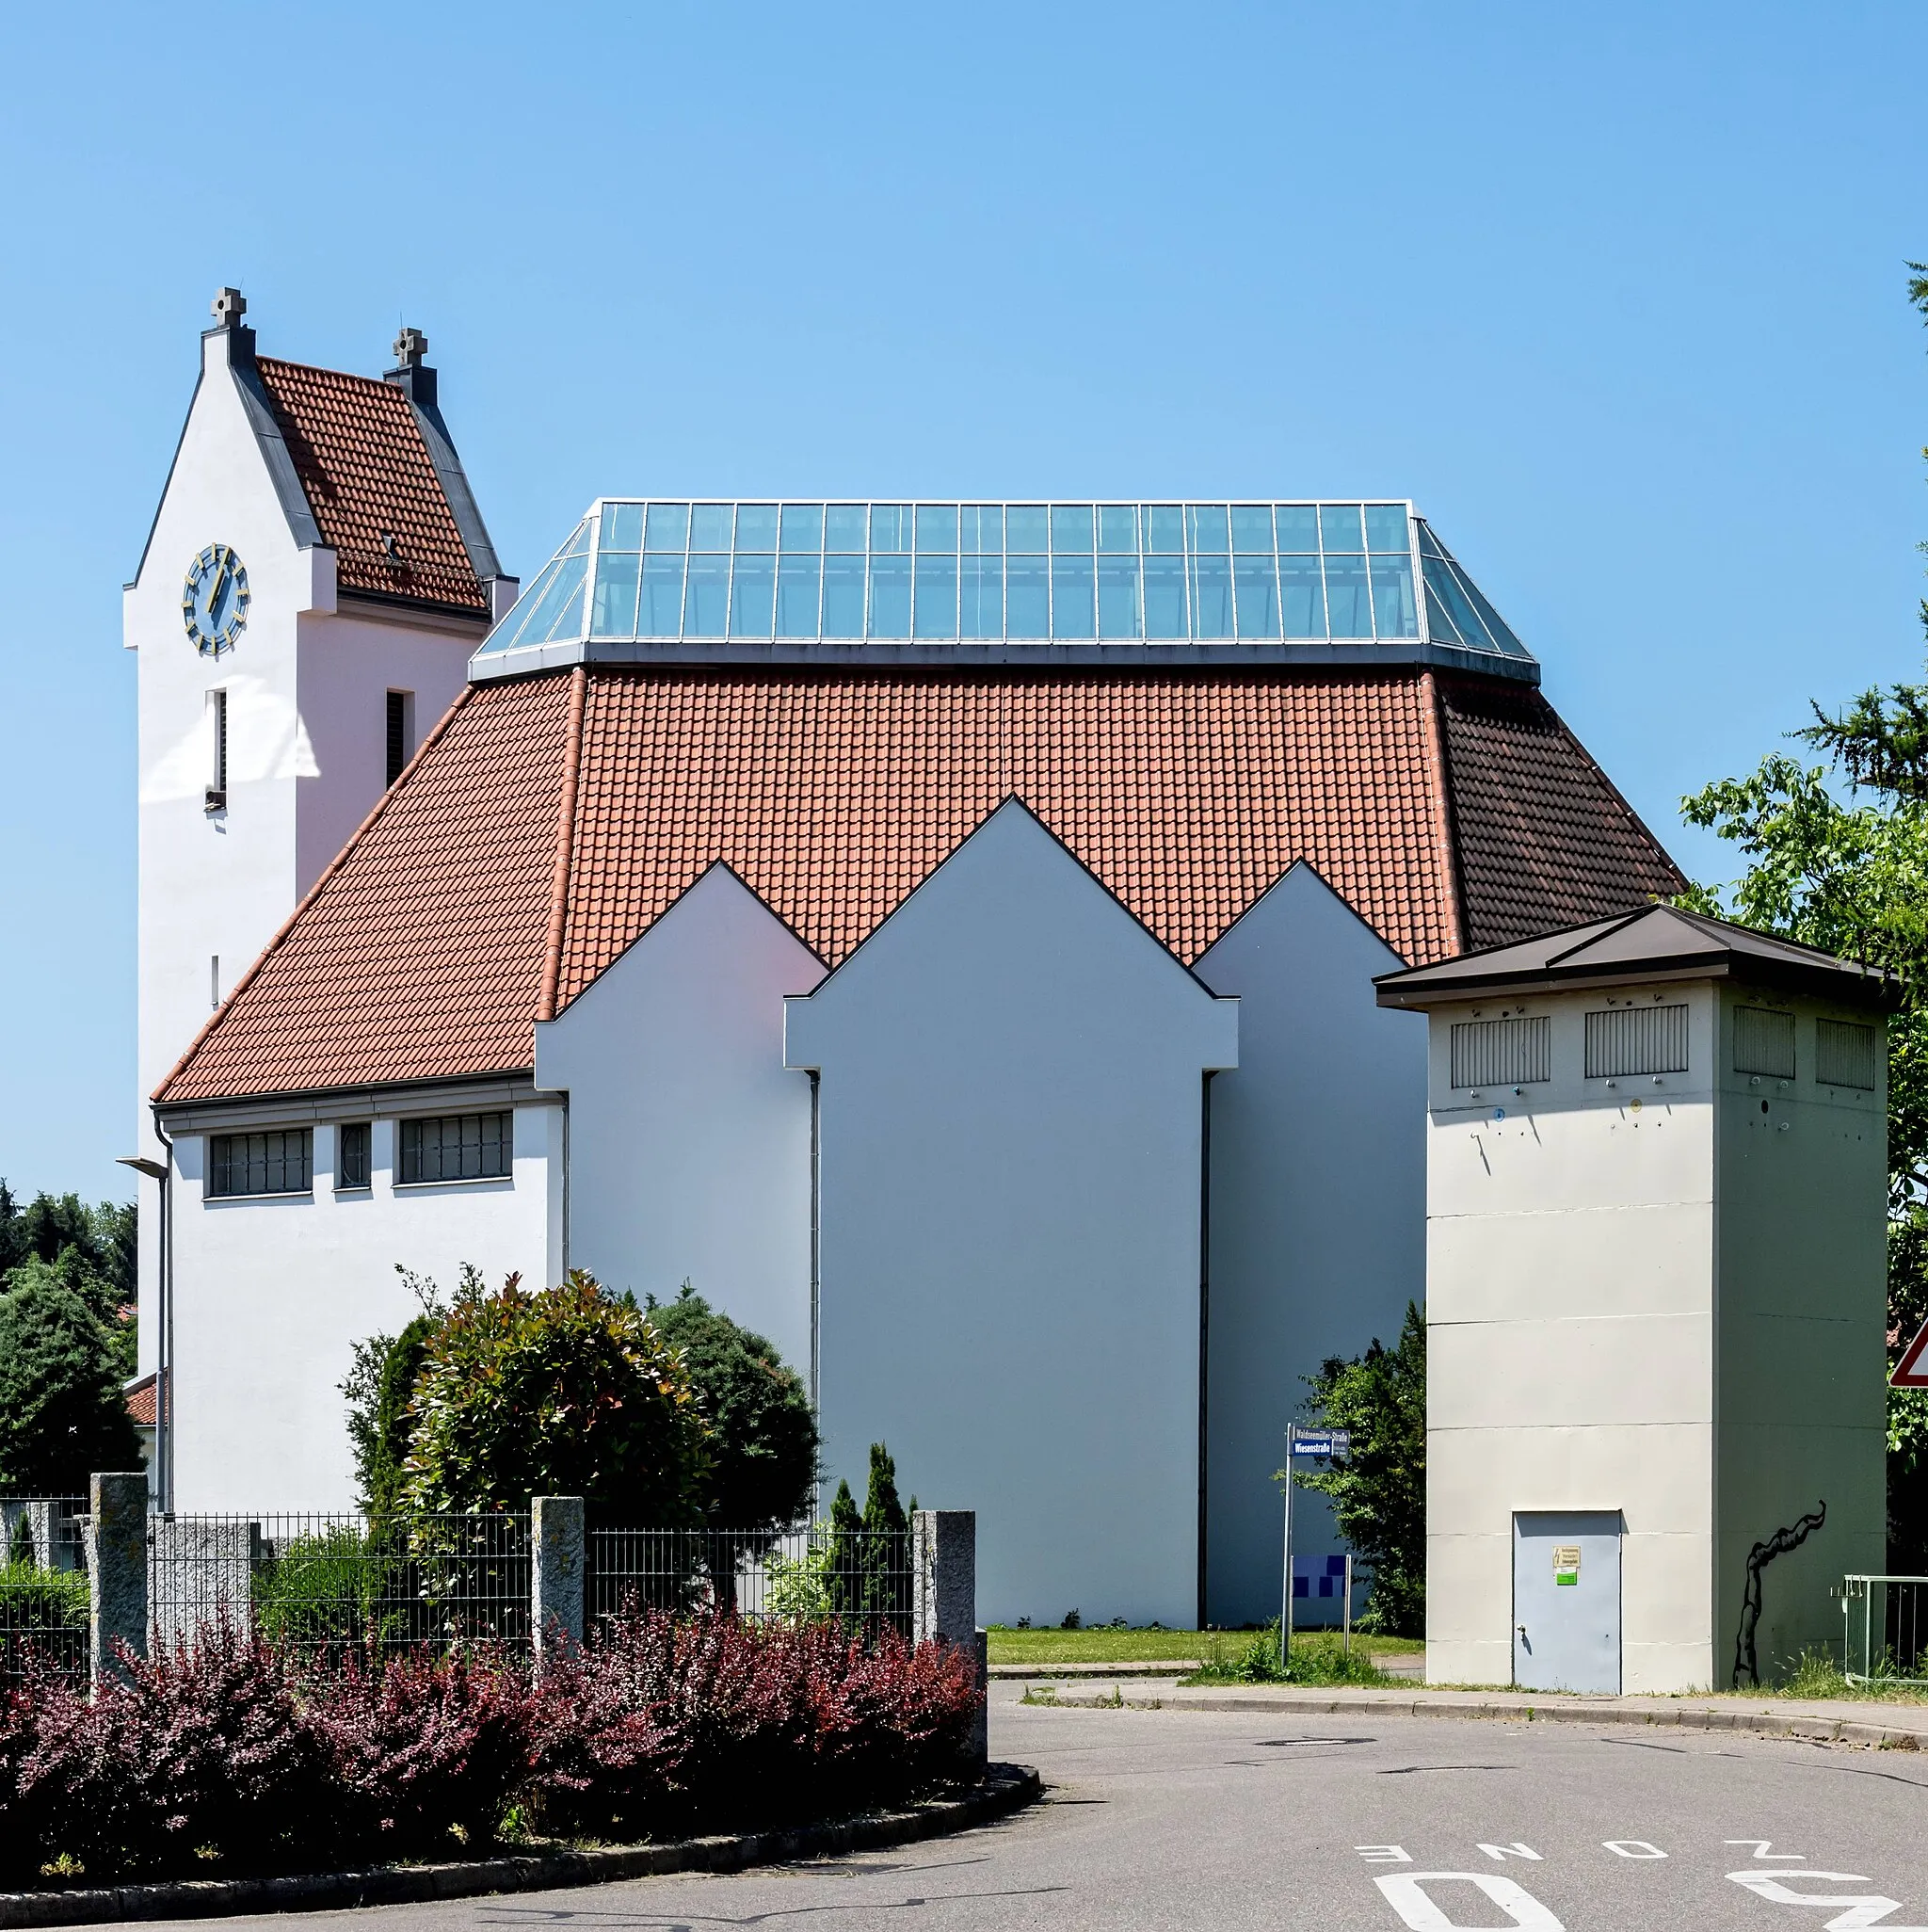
1761 1855
1860 1912
1384 1854
1515 1850
1419 1913
1633 1848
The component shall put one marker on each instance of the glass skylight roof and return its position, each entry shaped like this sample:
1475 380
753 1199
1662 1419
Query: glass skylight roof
949 578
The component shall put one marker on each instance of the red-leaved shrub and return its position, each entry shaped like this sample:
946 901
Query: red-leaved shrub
224 1756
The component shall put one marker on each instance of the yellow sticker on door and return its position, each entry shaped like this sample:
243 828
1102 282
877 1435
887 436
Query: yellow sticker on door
1567 1563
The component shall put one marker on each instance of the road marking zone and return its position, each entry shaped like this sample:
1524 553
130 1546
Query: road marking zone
1405 1893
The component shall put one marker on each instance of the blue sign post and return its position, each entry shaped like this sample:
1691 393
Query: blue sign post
1310 1445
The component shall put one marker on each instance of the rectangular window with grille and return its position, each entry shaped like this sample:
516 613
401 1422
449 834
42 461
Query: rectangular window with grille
1501 1053
351 1154
279 1163
1846 1054
1636 1039
1764 1042
456 1147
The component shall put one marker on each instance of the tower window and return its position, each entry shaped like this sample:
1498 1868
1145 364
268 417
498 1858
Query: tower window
400 703
351 1154
217 775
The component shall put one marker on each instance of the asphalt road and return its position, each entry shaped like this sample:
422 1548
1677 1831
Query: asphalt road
1164 1818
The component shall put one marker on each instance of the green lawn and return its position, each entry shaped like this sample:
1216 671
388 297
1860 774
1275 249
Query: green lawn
1111 1646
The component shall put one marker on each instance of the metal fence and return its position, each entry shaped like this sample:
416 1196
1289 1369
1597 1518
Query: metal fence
43 1587
1884 1629
864 1579
335 1583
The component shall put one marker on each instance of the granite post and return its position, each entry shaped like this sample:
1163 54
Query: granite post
557 1550
117 1565
943 1552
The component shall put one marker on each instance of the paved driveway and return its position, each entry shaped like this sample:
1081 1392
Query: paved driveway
1165 1818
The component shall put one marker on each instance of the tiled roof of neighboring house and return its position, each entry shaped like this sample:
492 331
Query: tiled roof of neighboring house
142 1401
555 818
372 483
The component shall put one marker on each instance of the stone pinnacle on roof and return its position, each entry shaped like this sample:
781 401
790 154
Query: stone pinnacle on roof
228 308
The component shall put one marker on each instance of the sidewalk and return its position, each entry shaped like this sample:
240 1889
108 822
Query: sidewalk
1894 1727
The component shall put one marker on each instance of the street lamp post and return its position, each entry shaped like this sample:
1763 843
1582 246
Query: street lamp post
162 1172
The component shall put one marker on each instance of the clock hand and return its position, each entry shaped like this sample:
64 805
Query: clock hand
214 597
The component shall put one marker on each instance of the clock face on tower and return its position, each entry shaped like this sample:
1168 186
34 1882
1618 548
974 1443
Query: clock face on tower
214 600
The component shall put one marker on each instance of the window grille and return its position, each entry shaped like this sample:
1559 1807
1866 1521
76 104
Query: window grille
219 702
1845 1055
351 1154
456 1147
1764 1042
1501 1053
280 1162
397 735
1636 1039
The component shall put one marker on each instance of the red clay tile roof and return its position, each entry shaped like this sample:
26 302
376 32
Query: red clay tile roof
1514 769
368 475
142 1400
555 818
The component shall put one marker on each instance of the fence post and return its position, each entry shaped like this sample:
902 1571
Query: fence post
556 1579
944 1544
115 1570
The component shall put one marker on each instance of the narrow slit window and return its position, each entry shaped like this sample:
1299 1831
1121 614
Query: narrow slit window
1503 1053
1846 1054
218 767
399 735
1764 1042
1636 1039
351 1155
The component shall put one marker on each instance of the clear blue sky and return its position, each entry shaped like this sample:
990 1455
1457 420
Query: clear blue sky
1615 294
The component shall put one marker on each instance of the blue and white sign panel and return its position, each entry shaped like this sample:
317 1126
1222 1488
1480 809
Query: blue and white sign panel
1320 1442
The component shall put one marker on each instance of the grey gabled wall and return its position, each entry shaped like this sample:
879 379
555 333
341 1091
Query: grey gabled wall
1009 1131
1318 1207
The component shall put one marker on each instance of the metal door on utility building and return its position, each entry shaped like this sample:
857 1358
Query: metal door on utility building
1567 1600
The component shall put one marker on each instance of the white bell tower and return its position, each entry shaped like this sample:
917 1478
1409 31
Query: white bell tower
314 581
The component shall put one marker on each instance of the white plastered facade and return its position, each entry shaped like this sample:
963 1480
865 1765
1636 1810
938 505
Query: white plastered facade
1641 1300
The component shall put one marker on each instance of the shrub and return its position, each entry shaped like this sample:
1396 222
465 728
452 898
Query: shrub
227 1758
329 1589
34 1600
563 1391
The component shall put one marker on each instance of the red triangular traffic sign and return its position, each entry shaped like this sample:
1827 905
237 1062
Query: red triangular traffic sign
1911 1371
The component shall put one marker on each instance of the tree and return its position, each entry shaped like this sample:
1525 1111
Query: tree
70 1267
564 1391
1850 874
763 1434
886 1544
1379 1489
62 1413
104 1236
843 1567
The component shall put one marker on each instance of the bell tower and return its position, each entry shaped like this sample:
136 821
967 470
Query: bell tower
313 583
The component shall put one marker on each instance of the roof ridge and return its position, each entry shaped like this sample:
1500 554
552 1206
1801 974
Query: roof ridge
1440 777
565 841
314 892
340 374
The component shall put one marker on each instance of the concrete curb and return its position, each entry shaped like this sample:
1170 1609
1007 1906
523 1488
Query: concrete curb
1006 1788
1175 1666
1810 1726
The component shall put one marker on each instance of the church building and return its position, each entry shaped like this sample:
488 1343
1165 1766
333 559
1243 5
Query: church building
944 933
